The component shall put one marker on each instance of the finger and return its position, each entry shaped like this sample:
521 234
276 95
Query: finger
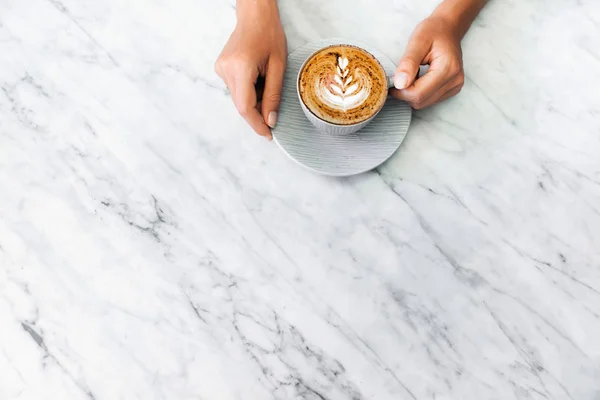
435 96
408 68
423 88
219 68
272 94
448 90
454 85
244 97
450 93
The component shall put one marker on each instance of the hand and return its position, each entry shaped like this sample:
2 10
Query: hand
257 48
436 42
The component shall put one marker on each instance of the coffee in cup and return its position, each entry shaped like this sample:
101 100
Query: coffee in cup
341 88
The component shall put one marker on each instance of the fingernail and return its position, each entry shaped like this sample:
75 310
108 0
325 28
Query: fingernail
400 80
272 119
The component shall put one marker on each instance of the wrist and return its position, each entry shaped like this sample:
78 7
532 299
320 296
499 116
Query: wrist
459 14
256 8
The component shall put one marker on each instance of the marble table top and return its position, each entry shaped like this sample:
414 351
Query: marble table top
153 247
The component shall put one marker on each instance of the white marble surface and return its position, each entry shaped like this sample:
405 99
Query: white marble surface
152 247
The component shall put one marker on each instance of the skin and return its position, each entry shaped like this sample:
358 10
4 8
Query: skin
436 42
257 49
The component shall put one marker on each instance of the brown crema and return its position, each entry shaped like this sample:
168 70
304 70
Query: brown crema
343 85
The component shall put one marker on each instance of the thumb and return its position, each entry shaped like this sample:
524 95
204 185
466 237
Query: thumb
408 67
272 94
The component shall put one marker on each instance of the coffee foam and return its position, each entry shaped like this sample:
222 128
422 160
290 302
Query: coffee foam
343 85
348 89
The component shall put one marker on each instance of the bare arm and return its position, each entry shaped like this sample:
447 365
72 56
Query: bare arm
436 42
256 48
460 13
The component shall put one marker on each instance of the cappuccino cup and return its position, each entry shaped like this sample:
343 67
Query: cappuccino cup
342 88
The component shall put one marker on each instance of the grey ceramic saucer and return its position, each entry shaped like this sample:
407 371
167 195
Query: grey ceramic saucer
338 155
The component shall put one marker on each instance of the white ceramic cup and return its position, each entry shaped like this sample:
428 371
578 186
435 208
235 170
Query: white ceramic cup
328 127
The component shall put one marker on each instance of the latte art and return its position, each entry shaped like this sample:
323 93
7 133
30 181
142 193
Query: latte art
348 90
343 85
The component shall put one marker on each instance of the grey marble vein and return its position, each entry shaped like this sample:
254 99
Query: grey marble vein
153 247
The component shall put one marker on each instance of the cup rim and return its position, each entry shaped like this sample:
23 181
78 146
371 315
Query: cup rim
308 108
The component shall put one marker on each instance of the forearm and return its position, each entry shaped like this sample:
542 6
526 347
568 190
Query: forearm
245 7
460 13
